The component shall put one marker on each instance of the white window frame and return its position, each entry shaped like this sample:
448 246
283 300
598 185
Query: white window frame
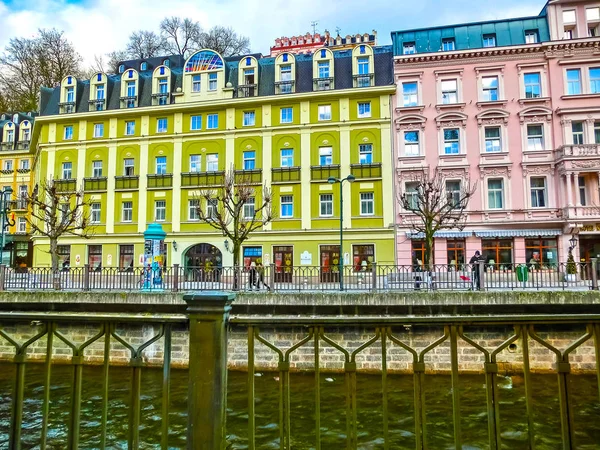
212 81
365 153
95 212
283 157
160 210
8 164
367 204
98 130
364 110
127 211
570 84
412 194
127 165
535 142
324 112
409 48
249 208
129 127
286 200
97 169
283 117
212 162
193 205
22 225
443 139
531 36
412 98
495 148
195 120
535 191
448 94
160 165
453 194
579 134
212 121
326 152
502 192
249 118
594 83
487 91
325 205
409 146
249 160
67 169
195 163
24 164
212 208
162 125
196 83
68 132
539 84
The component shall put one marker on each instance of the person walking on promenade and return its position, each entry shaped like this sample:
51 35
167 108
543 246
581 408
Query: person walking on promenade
474 262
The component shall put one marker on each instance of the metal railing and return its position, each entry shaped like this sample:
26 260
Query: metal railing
285 174
95 184
323 173
160 180
127 182
372 170
359 277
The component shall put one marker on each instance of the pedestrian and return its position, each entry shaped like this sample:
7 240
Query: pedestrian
252 276
475 260
260 270
418 268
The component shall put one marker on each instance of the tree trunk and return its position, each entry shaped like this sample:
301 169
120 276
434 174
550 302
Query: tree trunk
236 266
54 259
428 251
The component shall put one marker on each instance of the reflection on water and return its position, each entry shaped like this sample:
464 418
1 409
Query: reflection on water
333 414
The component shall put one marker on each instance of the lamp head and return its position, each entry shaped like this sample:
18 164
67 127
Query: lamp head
8 190
573 241
332 180
351 178
226 243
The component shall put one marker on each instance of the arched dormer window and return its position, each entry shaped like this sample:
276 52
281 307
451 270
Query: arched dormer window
285 73
323 72
129 89
248 77
204 75
121 68
24 135
98 92
143 66
167 63
362 66
8 136
68 95
161 86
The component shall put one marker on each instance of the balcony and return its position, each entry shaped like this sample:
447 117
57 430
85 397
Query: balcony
162 98
363 80
284 87
97 104
322 84
163 180
248 176
591 212
7 146
18 205
322 173
23 171
94 184
66 185
129 101
66 107
285 174
127 182
196 179
366 170
7 171
577 151
23 145
247 90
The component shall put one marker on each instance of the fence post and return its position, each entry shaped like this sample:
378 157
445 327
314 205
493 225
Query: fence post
481 269
208 313
374 277
2 276
86 277
272 277
175 277
594 274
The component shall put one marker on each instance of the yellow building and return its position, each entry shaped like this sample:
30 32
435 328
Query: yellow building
15 173
145 142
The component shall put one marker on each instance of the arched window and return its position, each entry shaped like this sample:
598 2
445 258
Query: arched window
362 66
68 95
121 68
204 60
129 89
98 94
144 66
161 86
285 73
248 77
204 74
167 63
323 71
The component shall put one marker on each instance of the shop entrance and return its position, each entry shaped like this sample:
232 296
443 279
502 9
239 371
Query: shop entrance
589 247
283 257
330 260
203 262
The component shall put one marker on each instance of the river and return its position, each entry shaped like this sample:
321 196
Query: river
333 425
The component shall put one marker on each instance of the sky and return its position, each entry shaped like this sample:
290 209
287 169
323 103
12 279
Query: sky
97 27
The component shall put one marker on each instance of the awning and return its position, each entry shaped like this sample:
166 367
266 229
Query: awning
448 234
517 233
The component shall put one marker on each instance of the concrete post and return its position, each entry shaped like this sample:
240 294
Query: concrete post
272 277
594 274
374 277
175 277
481 269
2 276
86 277
208 313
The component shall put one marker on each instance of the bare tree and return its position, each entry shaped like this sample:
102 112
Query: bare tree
56 56
55 214
114 58
232 210
181 35
437 205
225 41
144 44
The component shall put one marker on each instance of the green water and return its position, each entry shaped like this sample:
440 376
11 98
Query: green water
333 419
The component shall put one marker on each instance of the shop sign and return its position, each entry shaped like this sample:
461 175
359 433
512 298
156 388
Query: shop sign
590 228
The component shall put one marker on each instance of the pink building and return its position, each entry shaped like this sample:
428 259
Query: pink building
513 105
310 43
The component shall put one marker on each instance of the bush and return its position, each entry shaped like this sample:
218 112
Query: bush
571 266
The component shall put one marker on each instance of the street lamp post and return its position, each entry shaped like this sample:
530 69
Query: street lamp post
332 180
4 218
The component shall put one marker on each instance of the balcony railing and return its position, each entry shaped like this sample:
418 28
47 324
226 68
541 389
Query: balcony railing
7 171
163 180
7 146
95 184
582 212
247 90
284 87
372 170
324 172
323 84
18 205
248 176
67 185
364 80
285 174
578 151
195 179
129 101
23 171
23 145
127 182
161 98
97 104
67 107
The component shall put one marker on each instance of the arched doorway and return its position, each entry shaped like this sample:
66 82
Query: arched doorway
203 262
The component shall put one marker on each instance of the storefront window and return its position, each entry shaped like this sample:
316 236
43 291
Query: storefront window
330 258
283 258
363 257
126 257
95 257
64 256
456 253
251 254
541 253
418 252
498 253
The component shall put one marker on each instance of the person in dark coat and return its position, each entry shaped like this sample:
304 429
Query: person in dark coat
474 262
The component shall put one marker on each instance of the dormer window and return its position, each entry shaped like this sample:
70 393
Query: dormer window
362 66
204 76
248 77
121 68
163 90
144 66
129 89
10 135
409 48
531 37
285 73
323 77
448 45
167 63
68 95
212 81
99 92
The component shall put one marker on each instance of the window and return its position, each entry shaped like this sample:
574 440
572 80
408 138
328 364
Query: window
70 98
126 253
161 165
287 157
597 132
99 92
581 185
95 213
249 159
22 197
212 121
196 123
538 192
364 109
324 112
573 81
249 208
286 115
367 207
363 257
26 135
10 136
448 45
541 253
592 14
8 164
22 226
593 31
24 164
195 163
68 132
251 255
163 87
535 137
497 253
196 83
193 205
287 206
531 37
418 252
128 167
67 170
131 89
412 195
126 211
489 40
409 48
249 118
411 143
569 16
64 255
65 212
212 208
325 156
325 205
285 73
95 256
130 128
212 81
492 140
144 66
577 130
595 80
98 130
363 66
161 125
451 141
449 92
533 85
212 162
96 169
490 89
410 94
323 69
455 249
365 153
160 210
495 193
453 192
